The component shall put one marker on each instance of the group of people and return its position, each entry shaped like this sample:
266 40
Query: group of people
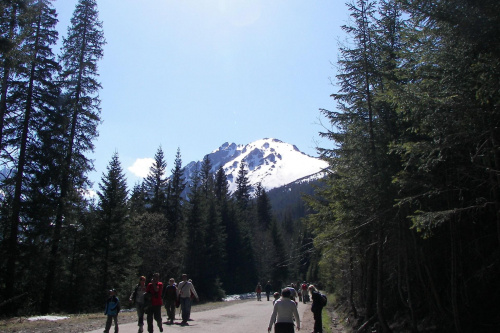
285 315
299 290
148 299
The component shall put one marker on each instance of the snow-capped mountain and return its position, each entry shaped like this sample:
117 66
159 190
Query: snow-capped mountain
271 162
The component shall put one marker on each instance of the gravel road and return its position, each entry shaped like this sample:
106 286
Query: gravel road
250 317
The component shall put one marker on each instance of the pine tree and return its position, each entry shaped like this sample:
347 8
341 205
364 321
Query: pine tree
206 176
359 196
36 93
195 230
242 193
221 185
113 237
264 215
156 184
175 199
79 116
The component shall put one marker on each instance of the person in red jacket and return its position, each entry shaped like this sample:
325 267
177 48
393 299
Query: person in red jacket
155 288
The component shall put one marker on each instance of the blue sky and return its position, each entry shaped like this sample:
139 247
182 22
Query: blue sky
193 74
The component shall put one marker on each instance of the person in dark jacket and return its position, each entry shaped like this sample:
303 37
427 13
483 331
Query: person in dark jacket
111 310
169 298
268 288
137 298
316 308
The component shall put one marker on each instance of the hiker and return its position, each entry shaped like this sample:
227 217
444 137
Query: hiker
137 297
169 298
316 308
111 310
184 290
293 293
284 314
155 289
268 288
305 296
276 297
258 290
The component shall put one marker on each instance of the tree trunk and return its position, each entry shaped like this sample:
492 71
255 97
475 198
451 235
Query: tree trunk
454 276
380 281
351 284
369 300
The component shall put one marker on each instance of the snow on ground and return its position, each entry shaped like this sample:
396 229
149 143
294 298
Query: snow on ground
227 299
49 318
239 297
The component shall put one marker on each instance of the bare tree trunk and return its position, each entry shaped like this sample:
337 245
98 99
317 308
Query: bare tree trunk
369 300
454 276
351 284
380 281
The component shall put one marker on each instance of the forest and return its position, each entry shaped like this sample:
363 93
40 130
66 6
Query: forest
57 240
408 221
404 231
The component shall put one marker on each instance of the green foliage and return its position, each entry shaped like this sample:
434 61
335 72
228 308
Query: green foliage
397 224
156 184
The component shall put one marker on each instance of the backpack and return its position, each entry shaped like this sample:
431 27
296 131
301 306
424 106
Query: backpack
324 299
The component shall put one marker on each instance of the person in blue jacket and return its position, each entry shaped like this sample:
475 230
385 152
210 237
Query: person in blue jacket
111 310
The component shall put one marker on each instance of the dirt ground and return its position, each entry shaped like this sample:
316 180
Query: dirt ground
94 322
83 322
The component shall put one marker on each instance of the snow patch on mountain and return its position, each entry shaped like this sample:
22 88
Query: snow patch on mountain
269 161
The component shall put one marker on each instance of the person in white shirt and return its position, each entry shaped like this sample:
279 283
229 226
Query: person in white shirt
284 313
184 290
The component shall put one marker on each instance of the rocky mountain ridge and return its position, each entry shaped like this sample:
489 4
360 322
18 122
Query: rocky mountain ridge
271 162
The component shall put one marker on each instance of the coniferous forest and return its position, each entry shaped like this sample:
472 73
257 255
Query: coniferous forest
404 231
408 221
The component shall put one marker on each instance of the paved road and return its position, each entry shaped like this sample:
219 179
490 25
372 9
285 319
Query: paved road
249 317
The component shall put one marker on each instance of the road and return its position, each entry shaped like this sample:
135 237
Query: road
250 317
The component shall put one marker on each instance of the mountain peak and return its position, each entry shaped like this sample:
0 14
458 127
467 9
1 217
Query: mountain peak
271 162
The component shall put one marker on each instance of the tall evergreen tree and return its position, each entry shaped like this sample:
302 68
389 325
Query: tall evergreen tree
206 176
221 185
175 200
360 194
264 215
243 187
156 184
79 115
113 245
195 230
36 94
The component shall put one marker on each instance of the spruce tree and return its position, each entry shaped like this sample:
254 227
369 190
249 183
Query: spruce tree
78 119
156 184
195 230
360 194
36 94
243 187
175 200
264 215
114 239
206 176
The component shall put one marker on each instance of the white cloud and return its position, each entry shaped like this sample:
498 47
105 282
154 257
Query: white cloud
141 166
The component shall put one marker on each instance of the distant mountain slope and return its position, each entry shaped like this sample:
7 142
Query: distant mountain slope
271 162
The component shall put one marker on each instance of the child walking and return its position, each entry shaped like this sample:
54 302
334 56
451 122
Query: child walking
111 310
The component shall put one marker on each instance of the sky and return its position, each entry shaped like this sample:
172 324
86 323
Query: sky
194 74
